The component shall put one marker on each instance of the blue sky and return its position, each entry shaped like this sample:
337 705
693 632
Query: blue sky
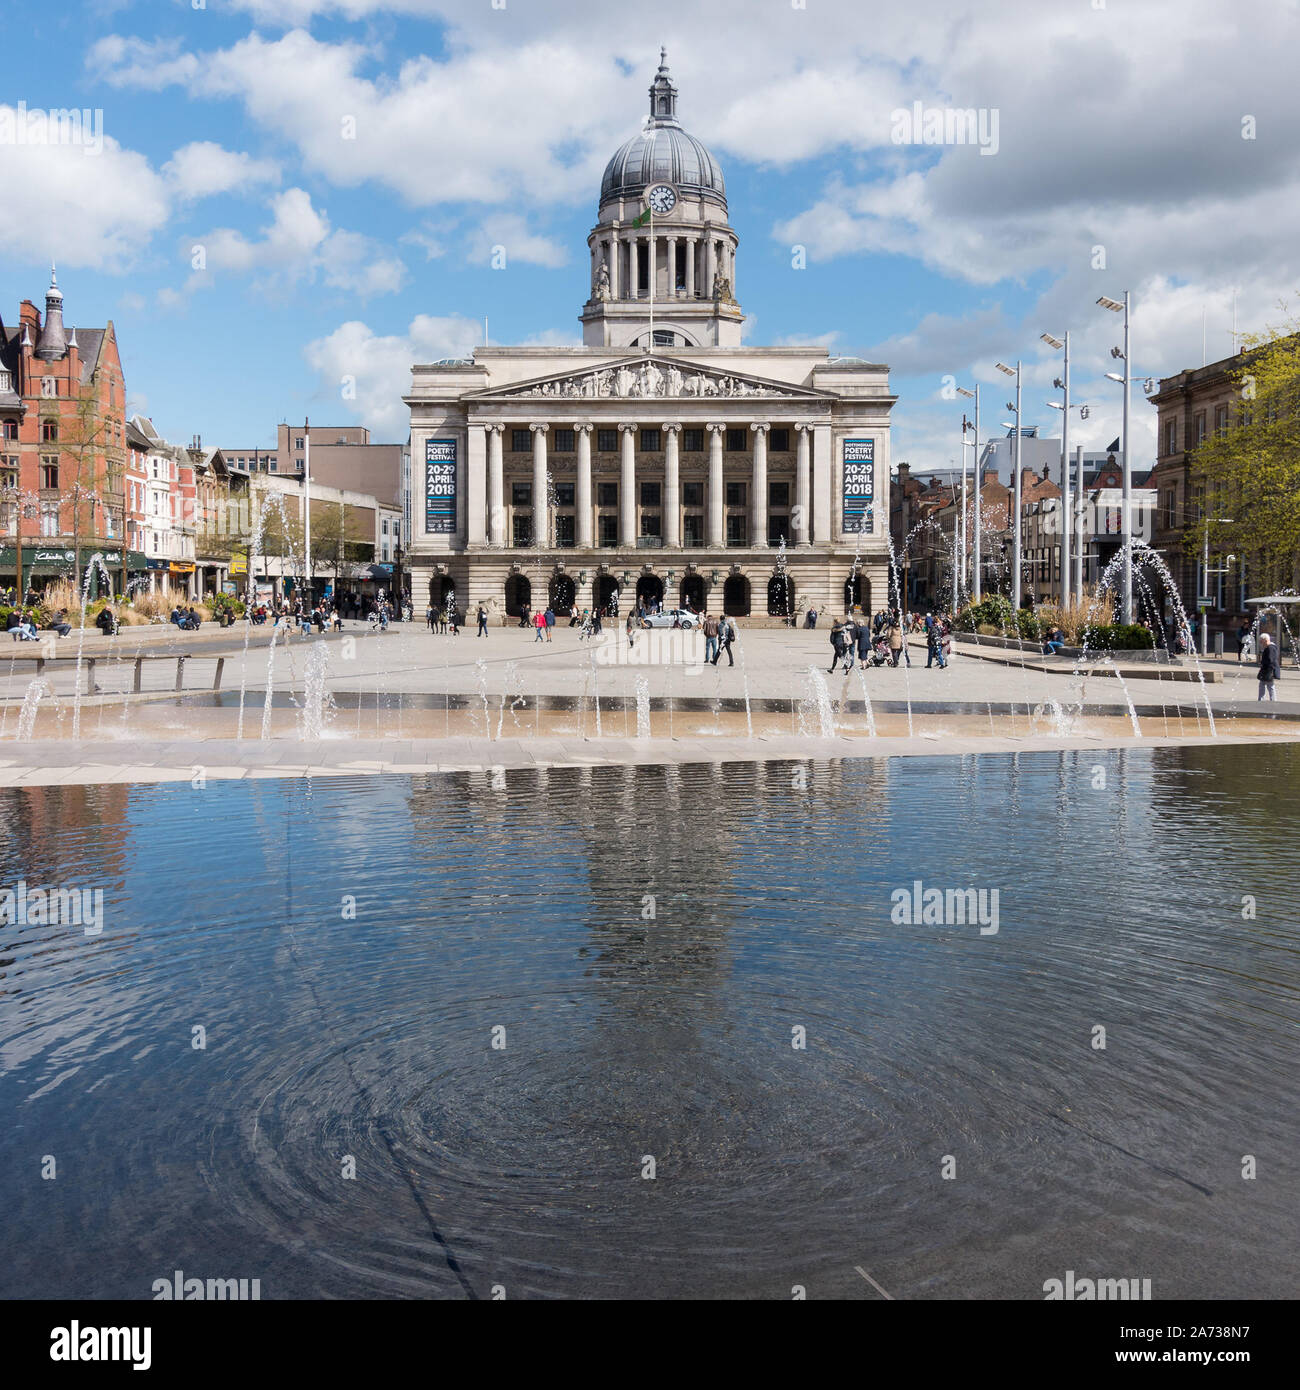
480 124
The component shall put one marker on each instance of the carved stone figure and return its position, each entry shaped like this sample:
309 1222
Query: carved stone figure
674 386
602 281
722 289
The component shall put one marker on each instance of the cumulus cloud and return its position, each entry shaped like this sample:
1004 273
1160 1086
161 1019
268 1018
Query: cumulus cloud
368 373
298 245
203 168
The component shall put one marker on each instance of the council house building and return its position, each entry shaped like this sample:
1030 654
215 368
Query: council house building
661 459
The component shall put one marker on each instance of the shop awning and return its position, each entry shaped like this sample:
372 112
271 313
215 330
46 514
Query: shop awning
57 560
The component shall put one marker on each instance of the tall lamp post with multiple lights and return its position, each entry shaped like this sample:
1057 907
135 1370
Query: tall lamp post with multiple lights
1015 534
1125 355
975 556
1068 537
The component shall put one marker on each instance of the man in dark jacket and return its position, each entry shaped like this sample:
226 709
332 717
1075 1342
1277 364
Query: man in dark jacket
1270 668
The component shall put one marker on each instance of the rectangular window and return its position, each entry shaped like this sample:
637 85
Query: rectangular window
737 441
1198 426
607 494
1220 419
521 494
50 520
650 494
693 528
297 444
564 441
780 442
383 528
49 386
778 494
693 441
609 530
564 531
737 531
606 441
49 431
49 471
693 494
650 443
521 441
650 524
735 494
778 529
9 430
523 529
1171 436
564 494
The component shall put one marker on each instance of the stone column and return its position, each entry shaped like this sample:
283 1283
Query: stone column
821 483
803 487
716 510
582 496
615 279
672 267
476 486
758 503
672 489
652 265
692 246
627 486
632 277
496 488
710 264
541 528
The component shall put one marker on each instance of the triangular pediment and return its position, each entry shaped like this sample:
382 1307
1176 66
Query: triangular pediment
649 378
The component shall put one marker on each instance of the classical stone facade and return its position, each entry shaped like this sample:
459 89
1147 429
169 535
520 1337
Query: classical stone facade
661 459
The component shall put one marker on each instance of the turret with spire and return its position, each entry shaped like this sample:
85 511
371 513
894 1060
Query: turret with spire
54 342
663 95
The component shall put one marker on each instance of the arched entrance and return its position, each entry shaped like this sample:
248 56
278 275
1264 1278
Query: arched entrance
606 588
857 593
563 592
780 596
692 592
441 588
650 590
519 595
735 596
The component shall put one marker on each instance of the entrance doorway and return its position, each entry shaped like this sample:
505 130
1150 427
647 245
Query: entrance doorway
606 589
735 596
563 592
857 593
692 592
519 595
650 590
780 596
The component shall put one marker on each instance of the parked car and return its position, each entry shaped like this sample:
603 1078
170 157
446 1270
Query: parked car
674 617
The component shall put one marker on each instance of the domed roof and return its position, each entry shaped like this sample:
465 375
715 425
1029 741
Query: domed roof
663 153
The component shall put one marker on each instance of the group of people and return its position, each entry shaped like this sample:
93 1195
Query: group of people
882 641
719 634
185 618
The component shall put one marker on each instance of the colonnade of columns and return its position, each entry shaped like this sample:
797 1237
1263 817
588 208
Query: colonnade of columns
707 254
811 511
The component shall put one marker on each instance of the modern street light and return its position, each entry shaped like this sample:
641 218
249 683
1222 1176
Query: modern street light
975 558
1125 354
1062 383
1015 553
1205 579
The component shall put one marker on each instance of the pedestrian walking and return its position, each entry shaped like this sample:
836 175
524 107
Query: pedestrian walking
726 636
539 625
864 635
550 622
482 622
1244 633
1270 667
837 643
430 618
631 627
894 635
710 637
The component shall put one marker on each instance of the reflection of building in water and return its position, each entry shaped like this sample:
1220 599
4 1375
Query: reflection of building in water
49 822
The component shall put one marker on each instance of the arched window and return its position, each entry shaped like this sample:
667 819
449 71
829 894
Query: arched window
735 596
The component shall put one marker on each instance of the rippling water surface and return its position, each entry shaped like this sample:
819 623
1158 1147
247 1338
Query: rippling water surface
643 944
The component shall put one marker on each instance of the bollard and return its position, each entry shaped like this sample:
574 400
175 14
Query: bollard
139 665
90 675
1218 644
180 672
216 679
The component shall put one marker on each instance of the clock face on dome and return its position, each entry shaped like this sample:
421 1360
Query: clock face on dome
662 198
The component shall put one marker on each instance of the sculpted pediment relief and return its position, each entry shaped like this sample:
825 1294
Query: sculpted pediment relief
641 378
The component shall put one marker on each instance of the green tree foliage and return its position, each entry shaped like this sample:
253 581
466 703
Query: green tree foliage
1249 474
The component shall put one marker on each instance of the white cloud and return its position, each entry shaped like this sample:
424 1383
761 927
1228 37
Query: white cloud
202 168
517 242
376 370
298 245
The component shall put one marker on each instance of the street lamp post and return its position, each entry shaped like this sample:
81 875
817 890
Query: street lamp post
1063 384
975 549
1126 520
1015 534
1205 581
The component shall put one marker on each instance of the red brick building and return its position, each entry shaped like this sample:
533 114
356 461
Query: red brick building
63 450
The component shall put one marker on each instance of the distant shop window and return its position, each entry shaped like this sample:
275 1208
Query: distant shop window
521 494
607 494
564 441
521 441
693 441
606 441
737 441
